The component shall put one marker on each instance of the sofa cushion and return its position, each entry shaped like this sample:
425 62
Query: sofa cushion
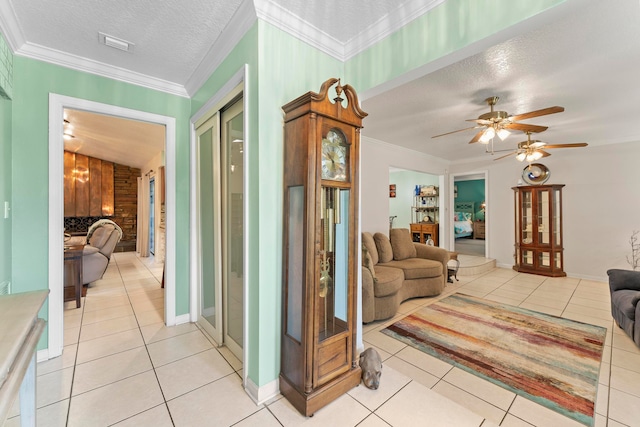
626 300
402 244
389 281
370 244
417 268
367 262
385 252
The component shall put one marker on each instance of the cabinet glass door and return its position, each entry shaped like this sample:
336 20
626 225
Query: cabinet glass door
527 217
544 223
557 229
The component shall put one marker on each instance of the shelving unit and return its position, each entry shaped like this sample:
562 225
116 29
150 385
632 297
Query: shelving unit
425 218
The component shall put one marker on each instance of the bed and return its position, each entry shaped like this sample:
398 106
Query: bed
463 219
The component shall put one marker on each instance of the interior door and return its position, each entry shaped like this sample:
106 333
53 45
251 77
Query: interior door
209 234
232 174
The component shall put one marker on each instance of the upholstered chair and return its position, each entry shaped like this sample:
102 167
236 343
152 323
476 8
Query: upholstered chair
101 241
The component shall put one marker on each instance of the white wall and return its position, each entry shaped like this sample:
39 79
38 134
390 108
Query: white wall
601 201
376 158
405 182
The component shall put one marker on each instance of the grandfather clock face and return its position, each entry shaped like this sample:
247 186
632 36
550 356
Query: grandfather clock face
335 156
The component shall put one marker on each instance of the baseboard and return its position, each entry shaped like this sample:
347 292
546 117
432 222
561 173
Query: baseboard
183 318
259 395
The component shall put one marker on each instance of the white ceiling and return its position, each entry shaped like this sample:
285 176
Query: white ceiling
127 142
584 59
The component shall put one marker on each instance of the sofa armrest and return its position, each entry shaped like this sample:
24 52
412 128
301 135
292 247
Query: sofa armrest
368 296
623 279
435 253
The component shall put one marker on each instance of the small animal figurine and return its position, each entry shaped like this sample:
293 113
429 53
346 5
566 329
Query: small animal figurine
371 366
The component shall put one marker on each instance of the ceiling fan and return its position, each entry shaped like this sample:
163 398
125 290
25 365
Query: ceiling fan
500 123
532 150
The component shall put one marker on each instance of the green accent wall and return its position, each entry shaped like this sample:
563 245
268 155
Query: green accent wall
5 189
6 89
33 81
471 191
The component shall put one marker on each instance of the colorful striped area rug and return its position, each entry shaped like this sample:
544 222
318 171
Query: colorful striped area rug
547 359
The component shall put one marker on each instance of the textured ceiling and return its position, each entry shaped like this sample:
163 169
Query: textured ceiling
586 62
170 37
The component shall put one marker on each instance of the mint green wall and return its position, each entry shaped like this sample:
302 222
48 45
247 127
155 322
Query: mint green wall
406 182
449 27
33 81
5 188
6 89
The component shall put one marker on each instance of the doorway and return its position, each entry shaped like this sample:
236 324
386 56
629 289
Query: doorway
57 104
469 196
220 202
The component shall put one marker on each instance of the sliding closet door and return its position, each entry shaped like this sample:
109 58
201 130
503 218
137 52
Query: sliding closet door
232 168
209 224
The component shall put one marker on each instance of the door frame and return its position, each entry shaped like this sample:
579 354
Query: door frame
57 104
223 96
484 174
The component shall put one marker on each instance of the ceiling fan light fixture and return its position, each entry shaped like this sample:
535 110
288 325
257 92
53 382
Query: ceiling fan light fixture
521 156
487 135
503 133
536 155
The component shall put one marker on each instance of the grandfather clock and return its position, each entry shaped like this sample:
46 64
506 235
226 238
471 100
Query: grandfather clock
321 156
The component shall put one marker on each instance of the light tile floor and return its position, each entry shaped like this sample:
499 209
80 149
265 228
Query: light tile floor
121 366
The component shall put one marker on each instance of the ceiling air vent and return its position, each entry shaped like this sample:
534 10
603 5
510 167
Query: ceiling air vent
115 42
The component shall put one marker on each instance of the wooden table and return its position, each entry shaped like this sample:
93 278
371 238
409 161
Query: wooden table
19 335
73 273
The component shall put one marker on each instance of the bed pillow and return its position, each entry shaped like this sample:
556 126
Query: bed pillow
462 216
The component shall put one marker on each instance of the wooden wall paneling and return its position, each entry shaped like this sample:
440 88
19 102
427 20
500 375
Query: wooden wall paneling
82 185
95 186
107 189
69 184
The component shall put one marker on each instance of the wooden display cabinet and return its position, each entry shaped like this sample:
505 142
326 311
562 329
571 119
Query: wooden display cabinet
538 221
320 250
421 232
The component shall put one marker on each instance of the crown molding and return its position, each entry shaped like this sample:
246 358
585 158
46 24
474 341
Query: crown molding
292 24
10 27
387 25
63 59
241 22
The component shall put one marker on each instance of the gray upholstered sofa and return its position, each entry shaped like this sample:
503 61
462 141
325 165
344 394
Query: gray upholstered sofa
395 269
625 297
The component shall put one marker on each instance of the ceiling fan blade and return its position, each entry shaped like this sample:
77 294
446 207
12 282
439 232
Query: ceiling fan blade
537 113
538 144
525 127
459 130
480 121
477 137
574 145
544 153
506 155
